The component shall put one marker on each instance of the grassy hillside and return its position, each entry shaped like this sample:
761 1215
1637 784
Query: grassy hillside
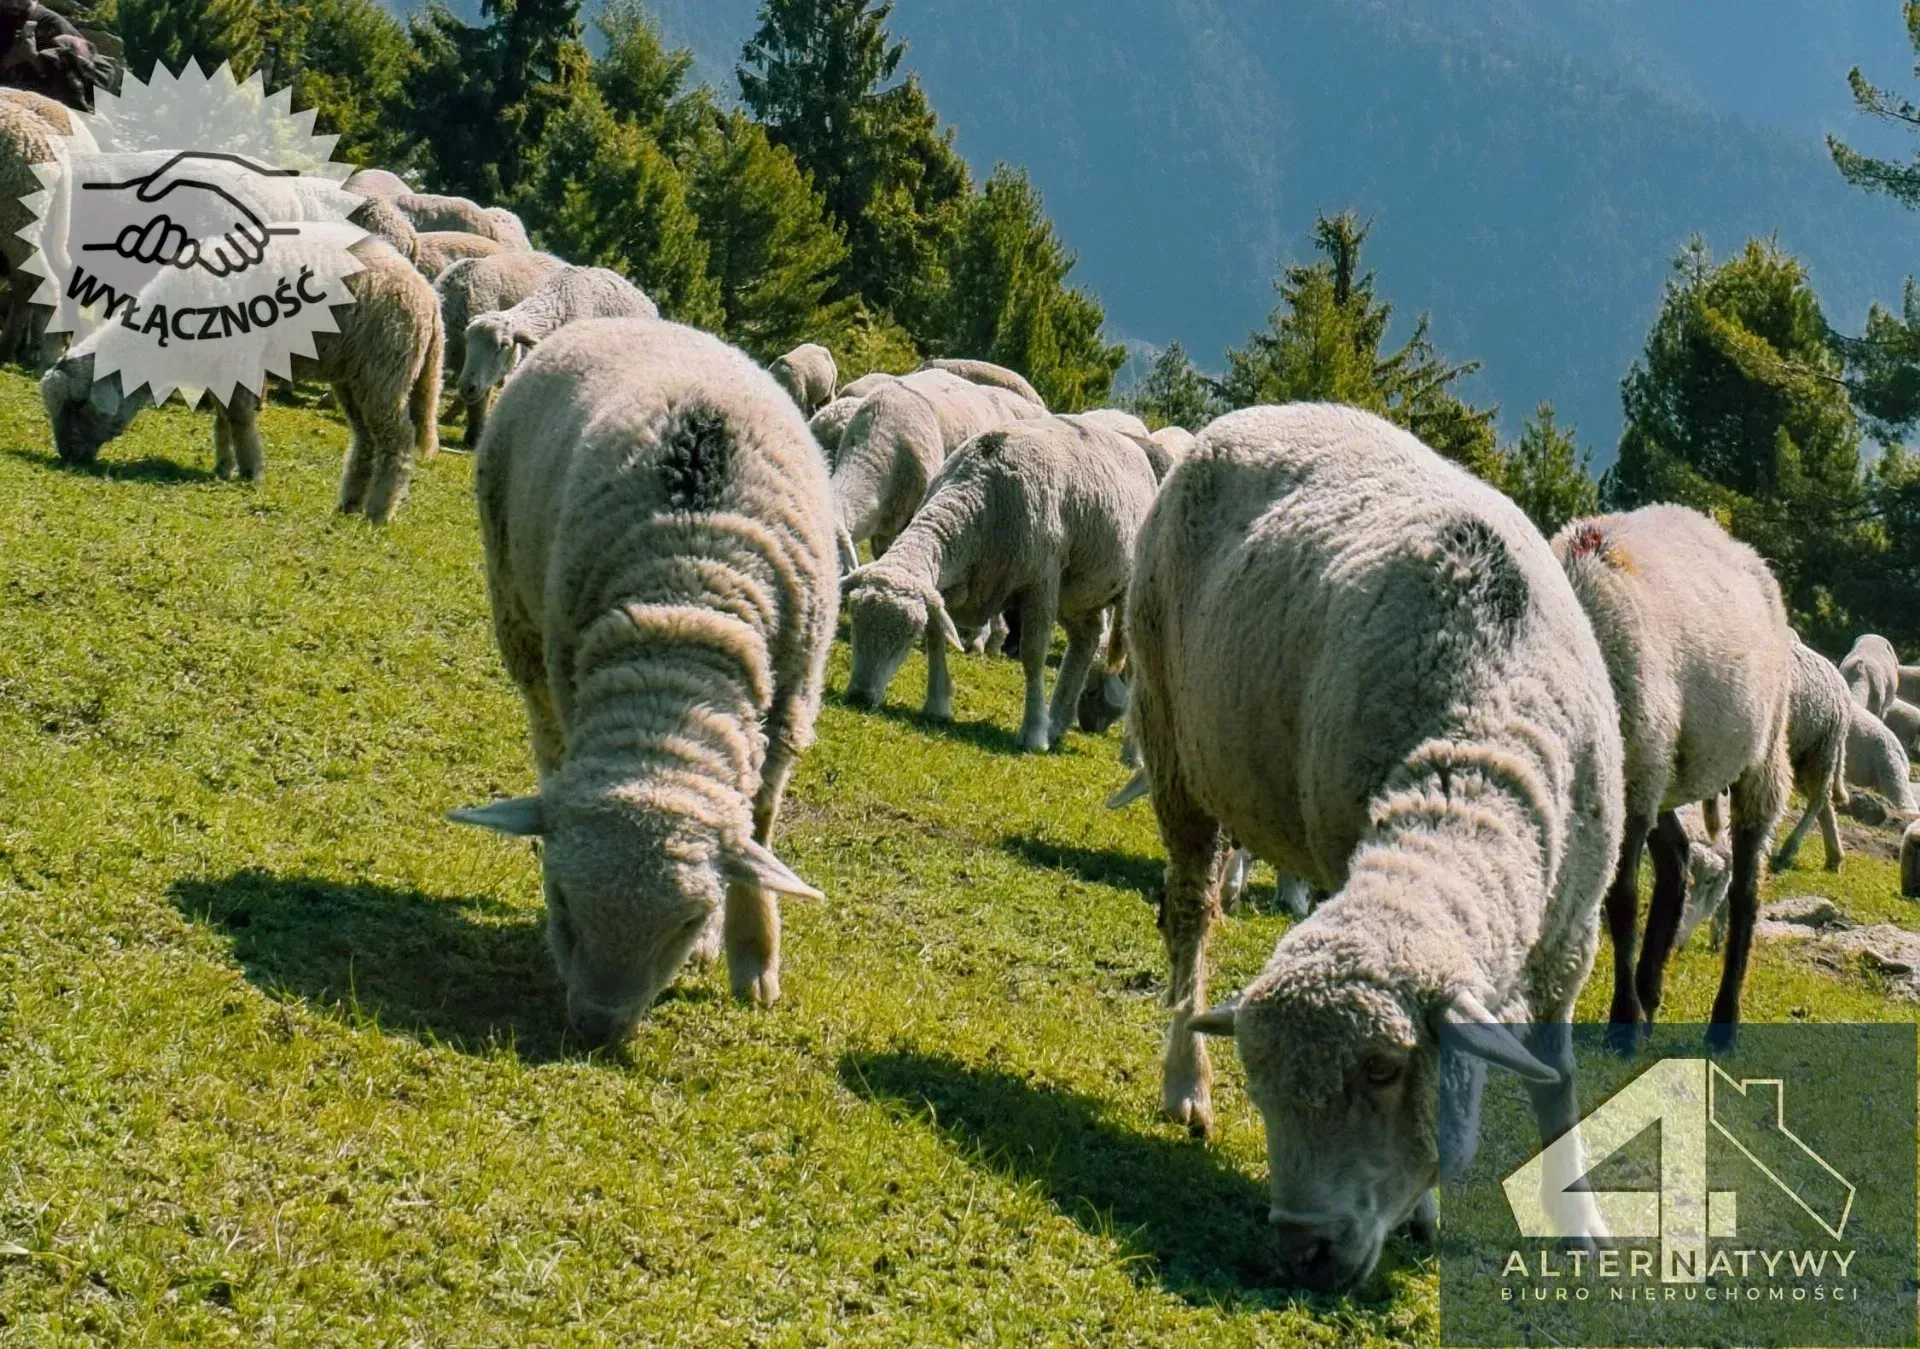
281 1055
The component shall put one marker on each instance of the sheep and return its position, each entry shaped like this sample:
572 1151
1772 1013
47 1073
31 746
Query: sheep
436 250
1701 659
991 375
1709 873
1876 760
894 445
868 384
565 295
1872 672
1042 514
829 424
659 557
383 363
1817 716
1903 719
1910 861
1364 664
57 115
379 217
808 375
1176 441
25 140
377 183
1114 420
1910 684
430 213
475 286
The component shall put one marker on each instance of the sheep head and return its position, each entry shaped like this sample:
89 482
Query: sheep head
86 413
889 614
1347 1079
634 877
493 349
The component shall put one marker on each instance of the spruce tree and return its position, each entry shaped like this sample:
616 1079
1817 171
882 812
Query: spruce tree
1174 392
1548 475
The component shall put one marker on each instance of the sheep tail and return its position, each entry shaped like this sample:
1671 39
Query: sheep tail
423 403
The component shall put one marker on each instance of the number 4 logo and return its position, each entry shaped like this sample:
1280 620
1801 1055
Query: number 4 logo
1685 1097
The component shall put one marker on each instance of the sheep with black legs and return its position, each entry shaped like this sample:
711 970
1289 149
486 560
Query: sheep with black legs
1365 664
1701 658
383 364
1818 716
808 374
1042 515
659 557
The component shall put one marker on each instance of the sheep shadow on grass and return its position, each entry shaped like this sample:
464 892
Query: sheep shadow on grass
152 468
1186 1218
471 973
1096 866
990 736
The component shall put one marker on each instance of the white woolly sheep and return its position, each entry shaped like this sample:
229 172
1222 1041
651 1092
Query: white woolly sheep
1042 514
565 295
1365 665
868 384
507 228
1817 718
475 286
1709 872
383 364
1903 719
1872 672
379 217
659 557
1114 420
430 213
1876 759
1177 441
989 374
895 443
829 424
808 375
377 183
57 115
1701 658
436 250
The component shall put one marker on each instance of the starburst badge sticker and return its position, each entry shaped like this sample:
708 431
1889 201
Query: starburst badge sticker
192 235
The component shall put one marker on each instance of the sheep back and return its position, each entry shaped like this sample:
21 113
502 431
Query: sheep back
1872 672
987 373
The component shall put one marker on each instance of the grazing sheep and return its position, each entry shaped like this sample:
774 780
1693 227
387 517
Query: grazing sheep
382 219
565 295
1114 420
1709 873
1817 717
1876 760
475 286
1910 861
436 250
991 375
1177 441
829 424
383 364
1903 719
660 564
429 213
1701 658
1042 514
1365 665
868 384
895 444
1872 672
377 183
808 375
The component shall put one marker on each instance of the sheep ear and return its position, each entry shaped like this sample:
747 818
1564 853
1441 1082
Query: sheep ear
1478 1034
105 397
938 616
520 816
751 861
1217 1020
1137 787
522 340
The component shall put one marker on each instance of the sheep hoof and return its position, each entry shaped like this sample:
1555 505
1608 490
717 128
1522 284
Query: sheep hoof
1035 743
759 988
1623 1038
1720 1037
1194 1110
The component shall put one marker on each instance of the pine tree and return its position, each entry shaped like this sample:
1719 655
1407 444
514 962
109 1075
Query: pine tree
1325 341
1548 475
1897 180
348 59
173 32
1174 392
641 81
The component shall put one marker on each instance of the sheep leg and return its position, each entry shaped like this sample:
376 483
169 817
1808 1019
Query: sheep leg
1623 915
476 418
248 452
358 470
1757 795
1830 834
1083 642
751 929
1556 1110
1189 907
996 636
1038 609
939 704
13 334
390 438
223 465
1671 851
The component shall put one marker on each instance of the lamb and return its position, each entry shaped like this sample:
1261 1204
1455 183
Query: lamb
1417 722
1817 717
1042 514
991 375
436 250
808 375
475 286
659 552
1872 672
377 183
565 295
1701 659
383 363
829 424
1876 760
1903 719
895 444
430 213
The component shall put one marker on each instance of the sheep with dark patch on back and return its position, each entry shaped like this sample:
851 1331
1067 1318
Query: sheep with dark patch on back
1365 664
989 374
566 294
808 375
1872 672
659 555
1043 515
1701 658
475 286
1818 715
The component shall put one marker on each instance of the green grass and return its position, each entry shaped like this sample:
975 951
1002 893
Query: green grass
281 1054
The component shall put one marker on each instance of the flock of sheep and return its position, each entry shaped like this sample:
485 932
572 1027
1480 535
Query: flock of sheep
1335 651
